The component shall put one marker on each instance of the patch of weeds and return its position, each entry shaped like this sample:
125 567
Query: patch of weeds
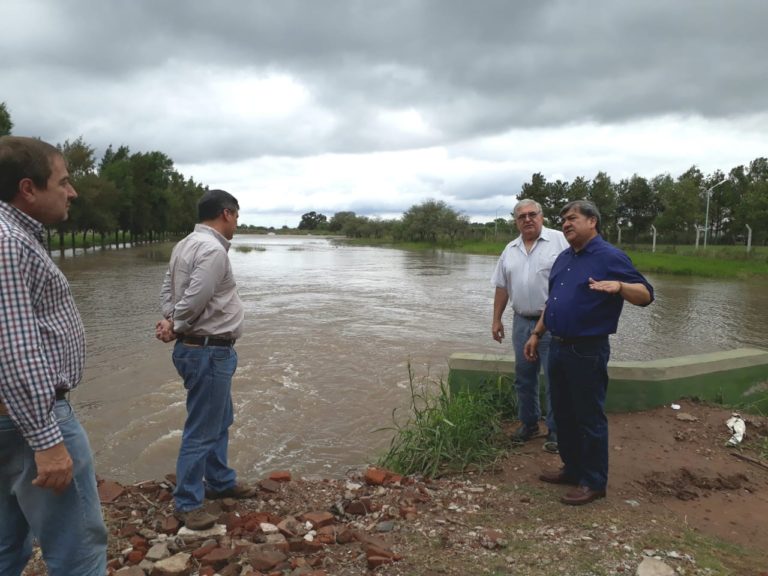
446 433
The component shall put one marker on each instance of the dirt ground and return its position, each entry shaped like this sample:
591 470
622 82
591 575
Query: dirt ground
675 493
681 466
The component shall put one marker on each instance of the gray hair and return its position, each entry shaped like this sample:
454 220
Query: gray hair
526 202
585 208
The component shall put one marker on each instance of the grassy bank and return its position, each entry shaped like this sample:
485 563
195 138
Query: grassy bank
714 262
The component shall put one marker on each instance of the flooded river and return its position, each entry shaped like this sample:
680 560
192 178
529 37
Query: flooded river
330 333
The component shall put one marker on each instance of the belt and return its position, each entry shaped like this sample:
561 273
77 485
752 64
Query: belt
530 317
207 340
61 394
578 339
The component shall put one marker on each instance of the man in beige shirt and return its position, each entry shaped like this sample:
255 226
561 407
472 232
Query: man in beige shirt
202 311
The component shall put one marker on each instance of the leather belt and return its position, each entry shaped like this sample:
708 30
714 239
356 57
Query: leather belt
207 340
529 317
578 339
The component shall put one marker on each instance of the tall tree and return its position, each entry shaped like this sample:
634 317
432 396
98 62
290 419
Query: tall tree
312 221
637 206
602 193
79 156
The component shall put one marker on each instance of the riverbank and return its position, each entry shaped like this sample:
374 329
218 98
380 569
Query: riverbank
724 262
676 493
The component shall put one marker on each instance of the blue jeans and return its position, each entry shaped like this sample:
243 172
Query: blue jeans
207 372
579 384
68 526
527 374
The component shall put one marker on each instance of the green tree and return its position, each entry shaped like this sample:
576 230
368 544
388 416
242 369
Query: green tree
603 194
637 206
428 221
339 220
312 221
79 156
678 205
6 124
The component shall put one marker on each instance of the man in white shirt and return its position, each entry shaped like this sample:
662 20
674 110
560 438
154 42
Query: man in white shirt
202 311
522 278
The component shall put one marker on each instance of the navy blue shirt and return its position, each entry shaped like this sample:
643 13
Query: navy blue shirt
573 310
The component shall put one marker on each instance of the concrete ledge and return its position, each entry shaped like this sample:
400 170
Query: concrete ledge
734 376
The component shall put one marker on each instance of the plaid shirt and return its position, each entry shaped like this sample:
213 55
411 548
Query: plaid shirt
42 339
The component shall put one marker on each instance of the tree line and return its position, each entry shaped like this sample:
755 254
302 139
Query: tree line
676 207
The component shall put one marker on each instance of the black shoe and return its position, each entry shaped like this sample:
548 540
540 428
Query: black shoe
550 444
525 433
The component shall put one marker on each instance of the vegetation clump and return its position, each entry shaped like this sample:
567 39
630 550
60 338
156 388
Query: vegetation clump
449 432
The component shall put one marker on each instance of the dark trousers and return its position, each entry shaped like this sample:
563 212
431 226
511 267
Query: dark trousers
578 374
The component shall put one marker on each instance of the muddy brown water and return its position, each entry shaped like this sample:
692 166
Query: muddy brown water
330 333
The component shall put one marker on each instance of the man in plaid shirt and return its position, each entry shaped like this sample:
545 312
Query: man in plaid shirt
47 479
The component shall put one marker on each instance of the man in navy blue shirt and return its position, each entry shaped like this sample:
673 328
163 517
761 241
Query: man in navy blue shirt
588 285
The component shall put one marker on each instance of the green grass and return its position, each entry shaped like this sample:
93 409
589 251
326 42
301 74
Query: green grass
446 433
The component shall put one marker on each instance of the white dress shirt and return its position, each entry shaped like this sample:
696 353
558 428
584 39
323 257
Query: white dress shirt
524 275
199 292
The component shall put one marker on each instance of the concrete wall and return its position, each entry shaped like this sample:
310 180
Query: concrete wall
735 377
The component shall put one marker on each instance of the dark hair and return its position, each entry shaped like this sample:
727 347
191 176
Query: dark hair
213 203
21 158
585 208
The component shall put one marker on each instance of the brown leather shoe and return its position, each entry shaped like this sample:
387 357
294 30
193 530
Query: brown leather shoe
582 495
237 491
197 519
558 477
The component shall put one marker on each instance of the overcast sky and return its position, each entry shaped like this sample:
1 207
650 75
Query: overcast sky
376 105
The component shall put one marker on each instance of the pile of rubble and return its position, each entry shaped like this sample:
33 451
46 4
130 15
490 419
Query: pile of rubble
281 531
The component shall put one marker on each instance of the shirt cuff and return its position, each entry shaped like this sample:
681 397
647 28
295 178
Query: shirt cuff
44 438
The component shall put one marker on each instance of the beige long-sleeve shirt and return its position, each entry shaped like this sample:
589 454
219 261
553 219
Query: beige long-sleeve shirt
199 291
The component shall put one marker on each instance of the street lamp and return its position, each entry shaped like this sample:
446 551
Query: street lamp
706 217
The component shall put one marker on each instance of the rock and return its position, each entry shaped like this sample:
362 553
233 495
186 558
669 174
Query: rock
375 476
135 556
176 565
278 541
385 526
265 558
217 530
269 485
110 491
280 476
218 557
158 552
290 527
203 550
653 567
169 525
268 528
318 519
359 507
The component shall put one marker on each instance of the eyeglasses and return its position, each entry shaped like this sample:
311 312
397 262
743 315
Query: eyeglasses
526 216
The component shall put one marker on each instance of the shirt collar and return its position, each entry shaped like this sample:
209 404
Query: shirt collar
590 246
205 229
542 236
23 220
